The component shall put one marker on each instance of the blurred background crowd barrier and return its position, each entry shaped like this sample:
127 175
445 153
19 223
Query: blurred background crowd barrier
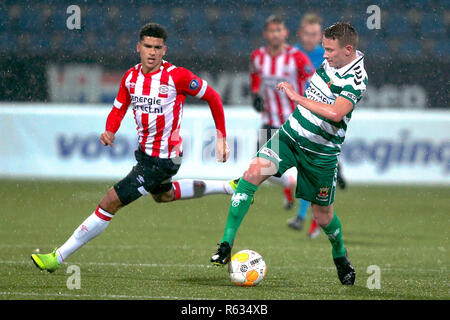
381 147
407 59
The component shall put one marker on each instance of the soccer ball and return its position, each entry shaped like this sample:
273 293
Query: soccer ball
247 268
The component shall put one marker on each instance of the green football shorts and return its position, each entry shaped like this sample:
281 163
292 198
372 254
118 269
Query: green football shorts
317 174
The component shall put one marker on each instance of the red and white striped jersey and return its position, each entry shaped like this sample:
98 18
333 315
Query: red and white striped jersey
157 100
267 71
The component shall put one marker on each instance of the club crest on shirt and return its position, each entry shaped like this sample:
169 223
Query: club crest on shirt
329 83
163 89
194 84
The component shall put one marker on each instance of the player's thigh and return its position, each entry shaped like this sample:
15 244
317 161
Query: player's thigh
149 175
316 177
280 151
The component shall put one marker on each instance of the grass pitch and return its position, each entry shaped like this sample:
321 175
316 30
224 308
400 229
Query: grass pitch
162 251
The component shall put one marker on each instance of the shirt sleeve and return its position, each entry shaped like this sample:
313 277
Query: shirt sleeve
188 83
354 89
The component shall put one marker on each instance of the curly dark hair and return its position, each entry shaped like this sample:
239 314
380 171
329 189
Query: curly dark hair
152 29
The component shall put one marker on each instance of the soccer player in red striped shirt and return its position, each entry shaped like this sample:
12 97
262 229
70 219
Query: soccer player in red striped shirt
269 65
156 91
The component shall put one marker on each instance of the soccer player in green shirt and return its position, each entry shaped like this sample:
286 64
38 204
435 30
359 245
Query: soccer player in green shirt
310 140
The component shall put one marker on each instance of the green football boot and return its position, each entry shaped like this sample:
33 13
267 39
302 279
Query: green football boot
47 261
234 183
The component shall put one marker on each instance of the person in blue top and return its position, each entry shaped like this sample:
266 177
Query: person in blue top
310 37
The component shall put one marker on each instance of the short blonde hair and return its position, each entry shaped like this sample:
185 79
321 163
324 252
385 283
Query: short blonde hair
311 18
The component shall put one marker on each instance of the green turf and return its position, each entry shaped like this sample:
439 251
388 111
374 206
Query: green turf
162 251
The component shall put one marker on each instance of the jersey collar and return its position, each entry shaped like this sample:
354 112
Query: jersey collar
343 70
150 74
286 48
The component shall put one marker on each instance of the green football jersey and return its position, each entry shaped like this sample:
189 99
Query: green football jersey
314 132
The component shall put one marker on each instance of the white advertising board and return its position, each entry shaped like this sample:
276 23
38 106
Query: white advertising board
62 141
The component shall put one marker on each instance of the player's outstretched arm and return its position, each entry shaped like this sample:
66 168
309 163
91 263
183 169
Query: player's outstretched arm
335 112
215 104
189 84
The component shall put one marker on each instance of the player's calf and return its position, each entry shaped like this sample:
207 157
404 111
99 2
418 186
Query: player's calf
111 201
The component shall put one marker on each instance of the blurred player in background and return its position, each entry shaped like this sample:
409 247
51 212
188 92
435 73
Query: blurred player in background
310 36
156 91
269 65
310 140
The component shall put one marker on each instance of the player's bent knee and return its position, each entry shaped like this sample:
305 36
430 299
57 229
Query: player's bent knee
158 198
163 197
252 176
257 174
322 214
248 176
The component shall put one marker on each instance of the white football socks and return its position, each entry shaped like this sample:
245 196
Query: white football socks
95 224
189 188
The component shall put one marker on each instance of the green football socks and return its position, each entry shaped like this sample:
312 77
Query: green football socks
334 233
240 202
